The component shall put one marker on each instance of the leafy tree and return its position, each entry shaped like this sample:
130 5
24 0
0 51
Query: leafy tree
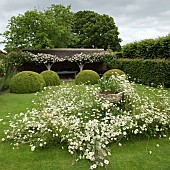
94 30
58 27
37 30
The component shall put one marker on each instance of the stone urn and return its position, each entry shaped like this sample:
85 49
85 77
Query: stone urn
110 96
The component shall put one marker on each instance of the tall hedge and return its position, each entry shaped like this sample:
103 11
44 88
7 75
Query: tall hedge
148 49
148 72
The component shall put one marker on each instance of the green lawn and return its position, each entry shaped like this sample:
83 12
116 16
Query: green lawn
132 155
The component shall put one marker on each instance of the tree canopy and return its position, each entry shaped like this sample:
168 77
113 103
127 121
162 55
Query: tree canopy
58 27
38 30
95 30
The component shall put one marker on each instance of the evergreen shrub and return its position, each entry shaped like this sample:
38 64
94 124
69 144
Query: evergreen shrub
26 82
111 72
87 77
51 78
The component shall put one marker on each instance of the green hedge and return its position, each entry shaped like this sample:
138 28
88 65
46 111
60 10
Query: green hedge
148 49
148 72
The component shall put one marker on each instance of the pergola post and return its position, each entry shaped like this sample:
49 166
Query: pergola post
49 65
81 65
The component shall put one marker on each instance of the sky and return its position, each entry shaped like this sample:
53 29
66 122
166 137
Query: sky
136 19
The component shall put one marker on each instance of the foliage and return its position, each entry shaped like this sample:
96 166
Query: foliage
7 71
51 78
76 116
148 49
2 55
125 154
2 65
16 58
11 62
83 58
80 59
26 82
109 84
93 30
117 54
36 30
124 94
148 72
2 68
6 78
58 27
87 77
115 72
47 59
59 22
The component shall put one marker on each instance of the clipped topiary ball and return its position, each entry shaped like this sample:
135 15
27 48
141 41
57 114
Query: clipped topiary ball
51 78
26 82
111 72
87 77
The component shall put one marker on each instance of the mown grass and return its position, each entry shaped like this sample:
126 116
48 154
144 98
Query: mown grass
132 155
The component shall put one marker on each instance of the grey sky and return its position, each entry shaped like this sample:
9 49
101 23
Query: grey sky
136 19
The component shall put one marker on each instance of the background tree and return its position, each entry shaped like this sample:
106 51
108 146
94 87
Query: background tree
92 30
37 30
58 27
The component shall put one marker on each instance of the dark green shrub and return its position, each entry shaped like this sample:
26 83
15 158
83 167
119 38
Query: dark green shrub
111 72
51 78
26 82
118 54
87 77
130 50
147 72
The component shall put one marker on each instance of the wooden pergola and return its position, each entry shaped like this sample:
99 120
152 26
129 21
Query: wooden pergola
60 52
66 69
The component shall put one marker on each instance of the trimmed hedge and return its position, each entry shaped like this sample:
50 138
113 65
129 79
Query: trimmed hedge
87 77
147 72
51 78
26 82
148 49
